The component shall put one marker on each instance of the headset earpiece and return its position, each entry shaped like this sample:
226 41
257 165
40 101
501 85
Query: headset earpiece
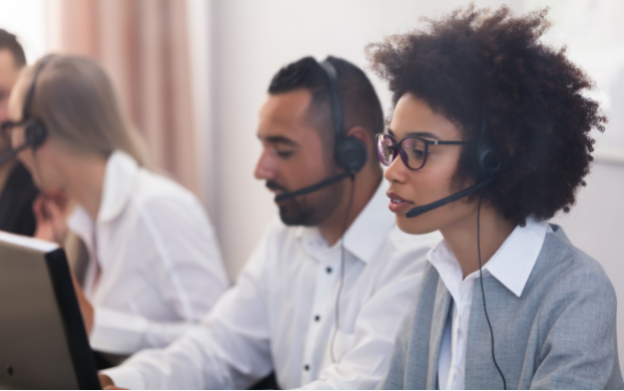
489 162
35 134
488 159
350 153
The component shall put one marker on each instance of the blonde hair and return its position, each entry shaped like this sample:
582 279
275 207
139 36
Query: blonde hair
75 100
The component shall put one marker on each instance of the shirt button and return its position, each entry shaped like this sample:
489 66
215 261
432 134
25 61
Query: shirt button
306 367
317 318
329 270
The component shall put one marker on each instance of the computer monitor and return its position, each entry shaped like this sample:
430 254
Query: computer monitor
43 342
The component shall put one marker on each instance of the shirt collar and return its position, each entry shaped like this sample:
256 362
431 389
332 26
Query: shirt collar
511 265
513 262
368 231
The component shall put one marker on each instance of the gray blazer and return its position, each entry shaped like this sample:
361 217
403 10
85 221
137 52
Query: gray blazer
560 334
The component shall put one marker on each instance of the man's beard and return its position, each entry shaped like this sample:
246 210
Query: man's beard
298 212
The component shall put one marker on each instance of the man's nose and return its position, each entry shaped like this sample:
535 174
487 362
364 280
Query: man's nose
265 168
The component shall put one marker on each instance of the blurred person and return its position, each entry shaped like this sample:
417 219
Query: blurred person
322 296
154 267
17 190
484 109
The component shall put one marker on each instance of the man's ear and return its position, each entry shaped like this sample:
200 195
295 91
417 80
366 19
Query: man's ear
361 134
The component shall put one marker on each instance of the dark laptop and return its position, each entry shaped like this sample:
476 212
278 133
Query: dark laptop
43 342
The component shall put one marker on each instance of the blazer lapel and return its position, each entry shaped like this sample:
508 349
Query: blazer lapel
440 314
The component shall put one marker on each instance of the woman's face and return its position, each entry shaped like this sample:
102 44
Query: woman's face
412 188
42 164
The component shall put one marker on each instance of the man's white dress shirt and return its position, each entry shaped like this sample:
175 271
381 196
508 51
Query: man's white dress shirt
281 313
154 264
511 265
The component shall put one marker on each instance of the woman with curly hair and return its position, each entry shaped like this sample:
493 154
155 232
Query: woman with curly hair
506 300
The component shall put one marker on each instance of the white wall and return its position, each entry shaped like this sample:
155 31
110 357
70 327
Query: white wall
251 40
26 19
596 225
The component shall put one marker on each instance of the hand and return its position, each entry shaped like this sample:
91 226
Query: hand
86 308
50 211
107 383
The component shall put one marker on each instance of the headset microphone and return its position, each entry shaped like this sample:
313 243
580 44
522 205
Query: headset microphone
7 156
417 211
313 188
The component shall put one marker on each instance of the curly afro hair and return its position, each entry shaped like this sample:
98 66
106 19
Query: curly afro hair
473 62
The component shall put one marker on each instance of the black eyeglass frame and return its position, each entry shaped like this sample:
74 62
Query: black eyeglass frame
7 125
398 150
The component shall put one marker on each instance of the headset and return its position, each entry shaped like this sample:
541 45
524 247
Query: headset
35 132
489 165
350 153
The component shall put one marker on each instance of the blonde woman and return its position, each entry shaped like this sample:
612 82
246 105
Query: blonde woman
154 266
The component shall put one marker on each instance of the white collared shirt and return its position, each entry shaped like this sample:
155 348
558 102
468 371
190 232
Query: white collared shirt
154 263
281 313
511 265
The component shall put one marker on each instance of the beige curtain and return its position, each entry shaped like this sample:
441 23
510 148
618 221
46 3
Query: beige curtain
144 47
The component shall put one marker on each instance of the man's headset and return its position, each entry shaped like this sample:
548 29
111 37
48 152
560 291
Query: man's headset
35 132
349 152
489 164
351 155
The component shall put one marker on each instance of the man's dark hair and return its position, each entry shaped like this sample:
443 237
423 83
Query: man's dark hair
9 42
473 62
360 104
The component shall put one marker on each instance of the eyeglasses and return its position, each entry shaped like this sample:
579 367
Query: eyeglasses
7 126
413 149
